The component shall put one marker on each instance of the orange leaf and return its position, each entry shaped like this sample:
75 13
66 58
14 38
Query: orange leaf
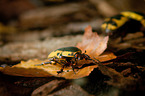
26 69
92 43
106 57
31 68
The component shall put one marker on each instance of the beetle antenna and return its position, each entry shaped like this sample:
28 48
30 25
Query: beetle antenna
98 62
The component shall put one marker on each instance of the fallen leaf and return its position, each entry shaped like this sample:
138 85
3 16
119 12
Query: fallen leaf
27 69
132 40
106 57
92 43
47 88
117 79
31 68
130 36
71 90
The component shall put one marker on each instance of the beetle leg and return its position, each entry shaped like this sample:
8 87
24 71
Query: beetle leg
43 63
86 57
58 72
52 61
61 70
73 69
98 62
55 60
73 64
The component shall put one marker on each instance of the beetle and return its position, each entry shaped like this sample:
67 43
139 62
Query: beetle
120 25
66 56
113 23
135 15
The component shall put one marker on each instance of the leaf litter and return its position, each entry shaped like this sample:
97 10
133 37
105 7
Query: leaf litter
122 73
92 43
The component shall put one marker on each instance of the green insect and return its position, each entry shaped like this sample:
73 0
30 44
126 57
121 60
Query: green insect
67 56
120 25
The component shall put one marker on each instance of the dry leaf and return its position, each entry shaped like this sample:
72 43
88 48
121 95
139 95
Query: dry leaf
131 40
92 43
71 90
31 68
27 69
117 79
106 57
45 89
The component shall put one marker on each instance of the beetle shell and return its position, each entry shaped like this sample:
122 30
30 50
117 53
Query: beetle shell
66 52
113 23
127 21
135 15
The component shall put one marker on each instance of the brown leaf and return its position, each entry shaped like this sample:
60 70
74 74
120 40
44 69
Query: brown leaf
117 79
47 88
92 43
71 90
132 40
